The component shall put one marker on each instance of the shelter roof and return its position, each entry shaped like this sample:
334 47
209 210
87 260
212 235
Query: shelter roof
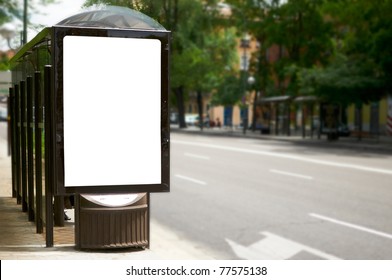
112 17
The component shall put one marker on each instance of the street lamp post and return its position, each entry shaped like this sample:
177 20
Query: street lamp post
244 66
24 22
251 81
245 44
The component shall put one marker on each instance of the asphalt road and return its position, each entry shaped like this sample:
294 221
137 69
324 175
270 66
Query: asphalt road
257 199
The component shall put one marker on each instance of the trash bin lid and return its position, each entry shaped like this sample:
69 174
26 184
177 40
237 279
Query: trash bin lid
114 200
112 17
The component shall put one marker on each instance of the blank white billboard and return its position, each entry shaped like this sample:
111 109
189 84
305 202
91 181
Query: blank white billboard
112 111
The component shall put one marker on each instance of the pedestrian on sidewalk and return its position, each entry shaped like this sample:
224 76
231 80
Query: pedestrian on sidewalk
218 123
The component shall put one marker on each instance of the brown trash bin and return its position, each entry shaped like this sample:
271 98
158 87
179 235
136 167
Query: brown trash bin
112 221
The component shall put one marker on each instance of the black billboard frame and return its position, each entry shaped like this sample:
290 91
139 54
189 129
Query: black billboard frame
58 34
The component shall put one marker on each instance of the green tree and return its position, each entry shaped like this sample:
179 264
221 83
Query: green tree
14 9
343 81
229 92
171 14
203 48
299 28
199 50
295 27
368 35
9 9
212 49
361 66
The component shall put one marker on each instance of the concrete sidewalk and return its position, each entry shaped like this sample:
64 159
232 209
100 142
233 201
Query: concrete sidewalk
19 240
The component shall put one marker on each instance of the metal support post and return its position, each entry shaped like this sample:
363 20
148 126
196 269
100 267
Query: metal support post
30 155
23 125
17 145
48 156
38 149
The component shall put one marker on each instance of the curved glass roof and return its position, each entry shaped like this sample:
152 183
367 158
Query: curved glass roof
112 17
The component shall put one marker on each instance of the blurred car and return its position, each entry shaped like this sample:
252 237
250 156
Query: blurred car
174 118
3 114
264 129
206 122
343 130
3 99
191 119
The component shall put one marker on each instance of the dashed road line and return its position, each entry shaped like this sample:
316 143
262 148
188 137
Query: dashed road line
190 179
291 174
197 156
350 225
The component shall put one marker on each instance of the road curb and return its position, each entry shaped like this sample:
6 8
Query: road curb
377 145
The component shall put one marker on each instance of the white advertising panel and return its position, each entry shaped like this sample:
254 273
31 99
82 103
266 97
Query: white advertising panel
112 111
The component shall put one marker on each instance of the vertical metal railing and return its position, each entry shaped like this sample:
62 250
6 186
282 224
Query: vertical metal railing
12 140
38 113
49 178
17 145
9 124
31 113
23 145
30 152
26 130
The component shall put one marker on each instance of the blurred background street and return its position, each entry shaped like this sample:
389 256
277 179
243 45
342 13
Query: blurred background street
281 116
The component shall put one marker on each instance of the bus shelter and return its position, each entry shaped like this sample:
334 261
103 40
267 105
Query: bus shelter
89 118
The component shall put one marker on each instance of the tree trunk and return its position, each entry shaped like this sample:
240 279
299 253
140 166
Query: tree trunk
358 109
254 117
180 106
200 109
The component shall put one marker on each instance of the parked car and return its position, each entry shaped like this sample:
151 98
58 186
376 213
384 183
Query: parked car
174 118
206 122
191 119
343 130
3 114
3 99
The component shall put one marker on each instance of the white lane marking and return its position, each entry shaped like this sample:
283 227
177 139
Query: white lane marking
291 174
245 141
286 156
263 146
190 179
274 247
350 225
197 156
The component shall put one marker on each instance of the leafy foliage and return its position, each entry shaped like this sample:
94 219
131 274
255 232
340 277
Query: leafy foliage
297 31
360 70
229 92
344 81
8 10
